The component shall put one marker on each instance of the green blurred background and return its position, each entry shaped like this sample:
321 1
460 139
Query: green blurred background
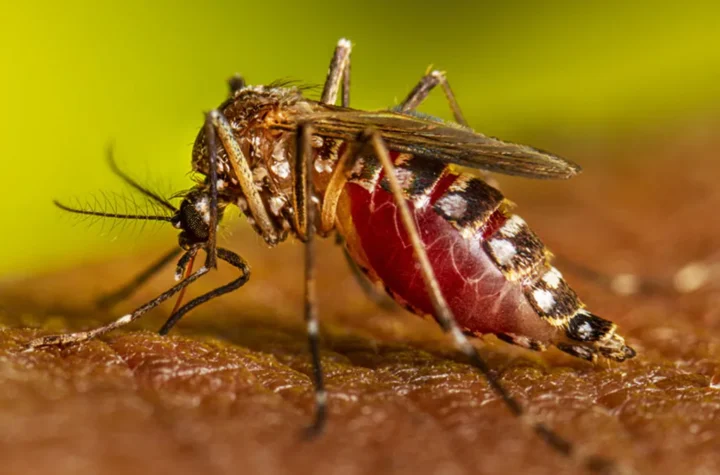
77 75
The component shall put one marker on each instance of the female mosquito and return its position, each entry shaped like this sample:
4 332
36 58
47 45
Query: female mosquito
441 240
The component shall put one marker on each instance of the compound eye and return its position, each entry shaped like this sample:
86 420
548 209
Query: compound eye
193 218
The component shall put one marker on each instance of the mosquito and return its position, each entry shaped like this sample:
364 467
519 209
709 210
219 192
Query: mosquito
409 196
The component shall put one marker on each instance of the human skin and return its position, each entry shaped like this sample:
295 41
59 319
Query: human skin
229 390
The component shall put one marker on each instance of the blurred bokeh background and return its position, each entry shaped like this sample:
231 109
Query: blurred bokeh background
78 75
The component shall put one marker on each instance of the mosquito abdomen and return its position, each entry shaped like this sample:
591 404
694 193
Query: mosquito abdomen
492 269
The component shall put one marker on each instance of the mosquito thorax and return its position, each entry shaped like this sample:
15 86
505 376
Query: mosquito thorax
251 112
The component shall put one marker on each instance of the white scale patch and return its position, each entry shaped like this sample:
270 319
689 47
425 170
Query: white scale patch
552 278
281 169
512 226
503 250
276 204
405 177
453 206
323 166
124 320
259 174
203 207
368 183
358 167
316 141
585 330
312 327
279 153
544 299
421 201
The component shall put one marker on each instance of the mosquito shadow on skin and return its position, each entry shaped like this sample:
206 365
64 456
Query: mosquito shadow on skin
268 335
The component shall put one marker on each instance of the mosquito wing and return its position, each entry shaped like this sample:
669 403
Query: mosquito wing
422 136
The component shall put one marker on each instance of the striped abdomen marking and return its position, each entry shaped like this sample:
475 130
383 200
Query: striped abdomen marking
523 258
492 269
481 298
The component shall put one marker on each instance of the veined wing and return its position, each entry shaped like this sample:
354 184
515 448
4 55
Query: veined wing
449 143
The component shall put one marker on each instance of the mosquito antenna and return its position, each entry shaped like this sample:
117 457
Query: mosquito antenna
124 176
142 217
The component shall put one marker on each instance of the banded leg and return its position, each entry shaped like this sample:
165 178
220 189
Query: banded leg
185 264
338 76
422 90
210 262
240 168
305 226
521 341
578 351
128 289
211 244
338 72
78 337
231 258
442 311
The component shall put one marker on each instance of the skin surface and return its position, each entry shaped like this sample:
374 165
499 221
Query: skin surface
229 391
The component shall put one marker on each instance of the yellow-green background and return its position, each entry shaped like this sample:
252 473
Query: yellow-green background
76 75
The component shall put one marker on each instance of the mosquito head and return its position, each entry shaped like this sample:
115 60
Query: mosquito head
193 218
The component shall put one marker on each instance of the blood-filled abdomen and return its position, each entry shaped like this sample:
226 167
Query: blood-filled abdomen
456 215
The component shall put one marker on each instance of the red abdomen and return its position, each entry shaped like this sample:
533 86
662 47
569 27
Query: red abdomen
456 215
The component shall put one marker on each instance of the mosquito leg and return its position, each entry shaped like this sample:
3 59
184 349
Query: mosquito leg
447 320
303 198
122 293
522 341
442 311
579 351
345 100
371 292
241 171
338 73
182 264
232 259
210 141
421 91
381 299
69 338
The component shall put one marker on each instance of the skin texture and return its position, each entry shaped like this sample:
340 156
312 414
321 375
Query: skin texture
229 391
